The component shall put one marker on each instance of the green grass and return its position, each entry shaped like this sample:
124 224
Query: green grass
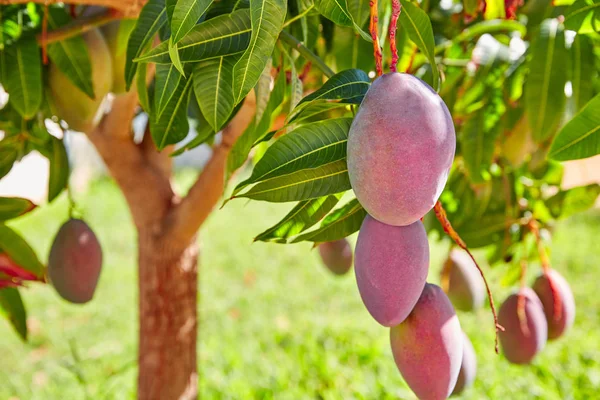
274 323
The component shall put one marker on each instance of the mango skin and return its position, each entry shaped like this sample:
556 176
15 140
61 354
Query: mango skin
118 56
468 367
518 346
428 345
337 256
75 262
400 149
391 265
74 106
466 288
556 326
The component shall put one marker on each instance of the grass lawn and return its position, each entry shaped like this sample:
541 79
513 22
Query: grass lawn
274 323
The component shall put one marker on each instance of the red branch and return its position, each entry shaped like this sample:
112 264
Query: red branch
441 216
45 35
373 29
521 301
396 8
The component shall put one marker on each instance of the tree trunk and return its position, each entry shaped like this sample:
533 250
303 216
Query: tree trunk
168 323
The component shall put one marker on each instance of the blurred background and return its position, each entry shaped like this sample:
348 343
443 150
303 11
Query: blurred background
274 323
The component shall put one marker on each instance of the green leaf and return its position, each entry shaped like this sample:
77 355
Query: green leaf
335 10
304 184
569 202
544 89
583 16
22 76
174 56
20 252
359 10
142 89
186 15
304 215
583 71
152 17
13 207
259 127
580 137
165 85
13 308
308 146
214 90
340 223
477 146
8 156
418 26
172 126
220 36
70 55
492 26
267 18
59 168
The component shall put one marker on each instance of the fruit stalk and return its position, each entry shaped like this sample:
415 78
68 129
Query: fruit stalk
521 300
396 9
441 216
374 19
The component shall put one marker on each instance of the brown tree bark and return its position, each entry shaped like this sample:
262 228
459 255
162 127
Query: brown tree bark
167 249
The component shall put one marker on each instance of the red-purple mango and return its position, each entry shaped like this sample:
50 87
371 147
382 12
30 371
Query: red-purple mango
400 148
522 341
468 367
391 265
75 262
428 346
560 311
337 256
466 288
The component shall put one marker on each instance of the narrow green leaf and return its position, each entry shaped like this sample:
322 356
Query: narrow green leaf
13 207
259 127
340 223
219 36
583 71
544 89
166 82
214 90
569 202
152 17
20 252
59 169
308 146
580 137
583 16
418 26
13 308
185 16
22 76
8 156
304 184
335 10
359 10
172 126
304 215
174 56
142 89
70 55
267 18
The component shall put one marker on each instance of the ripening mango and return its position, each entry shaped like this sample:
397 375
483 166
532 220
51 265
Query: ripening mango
400 148
466 288
337 256
560 311
468 367
391 265
75 262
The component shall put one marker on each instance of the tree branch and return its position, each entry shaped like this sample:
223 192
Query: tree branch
77 27
147 191
185 218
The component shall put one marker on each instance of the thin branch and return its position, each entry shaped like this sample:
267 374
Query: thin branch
374 19
185 218
77 27
306 53
441 216
396 8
